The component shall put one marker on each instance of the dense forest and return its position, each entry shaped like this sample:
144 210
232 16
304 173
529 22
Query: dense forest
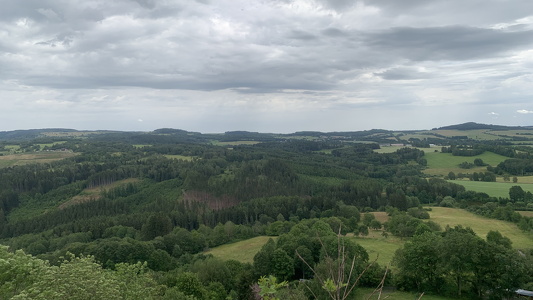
129 215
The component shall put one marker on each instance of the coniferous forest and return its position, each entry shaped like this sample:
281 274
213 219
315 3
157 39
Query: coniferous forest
130 215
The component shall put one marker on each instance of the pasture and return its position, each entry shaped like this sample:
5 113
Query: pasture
380 248
243 251
481 225
440 164
477 134
391 149
494 189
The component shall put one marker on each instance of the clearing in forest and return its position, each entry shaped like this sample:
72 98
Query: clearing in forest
481 225
242 251
440 164
494 189
94 193
33 158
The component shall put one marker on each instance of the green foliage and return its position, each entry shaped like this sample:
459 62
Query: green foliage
269 287
458 263
25 277
189 284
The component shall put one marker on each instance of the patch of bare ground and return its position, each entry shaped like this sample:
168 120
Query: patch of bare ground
212 201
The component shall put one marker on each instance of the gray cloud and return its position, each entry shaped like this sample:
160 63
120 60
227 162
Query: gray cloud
277 57
450 43
403 73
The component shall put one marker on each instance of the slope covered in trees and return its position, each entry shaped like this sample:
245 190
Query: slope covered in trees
167 195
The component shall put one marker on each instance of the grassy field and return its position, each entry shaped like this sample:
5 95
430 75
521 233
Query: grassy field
31 158
380 247
526 213
235 143
391 149
478 134
452 216
495 189
181 157
384 248
243 251
441 164
50 144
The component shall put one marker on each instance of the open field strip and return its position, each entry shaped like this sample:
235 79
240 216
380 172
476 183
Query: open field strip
137 146
235 143
521 179
494 189
31 158
243 251
443 163
476 134
379 247
179 157
526 213
392 149
50 144
481 225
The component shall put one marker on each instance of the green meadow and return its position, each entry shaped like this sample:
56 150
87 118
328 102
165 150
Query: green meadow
243 251
494 189
440 164
30 158
235 143
181 157
380 248
383 248
481 225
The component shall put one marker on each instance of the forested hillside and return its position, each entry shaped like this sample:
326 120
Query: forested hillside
139 209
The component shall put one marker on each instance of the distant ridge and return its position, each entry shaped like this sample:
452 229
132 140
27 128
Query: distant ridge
473 126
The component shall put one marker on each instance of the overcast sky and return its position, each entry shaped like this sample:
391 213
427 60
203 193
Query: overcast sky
265 65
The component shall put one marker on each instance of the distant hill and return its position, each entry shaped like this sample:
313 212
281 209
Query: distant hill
29 133
474 126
